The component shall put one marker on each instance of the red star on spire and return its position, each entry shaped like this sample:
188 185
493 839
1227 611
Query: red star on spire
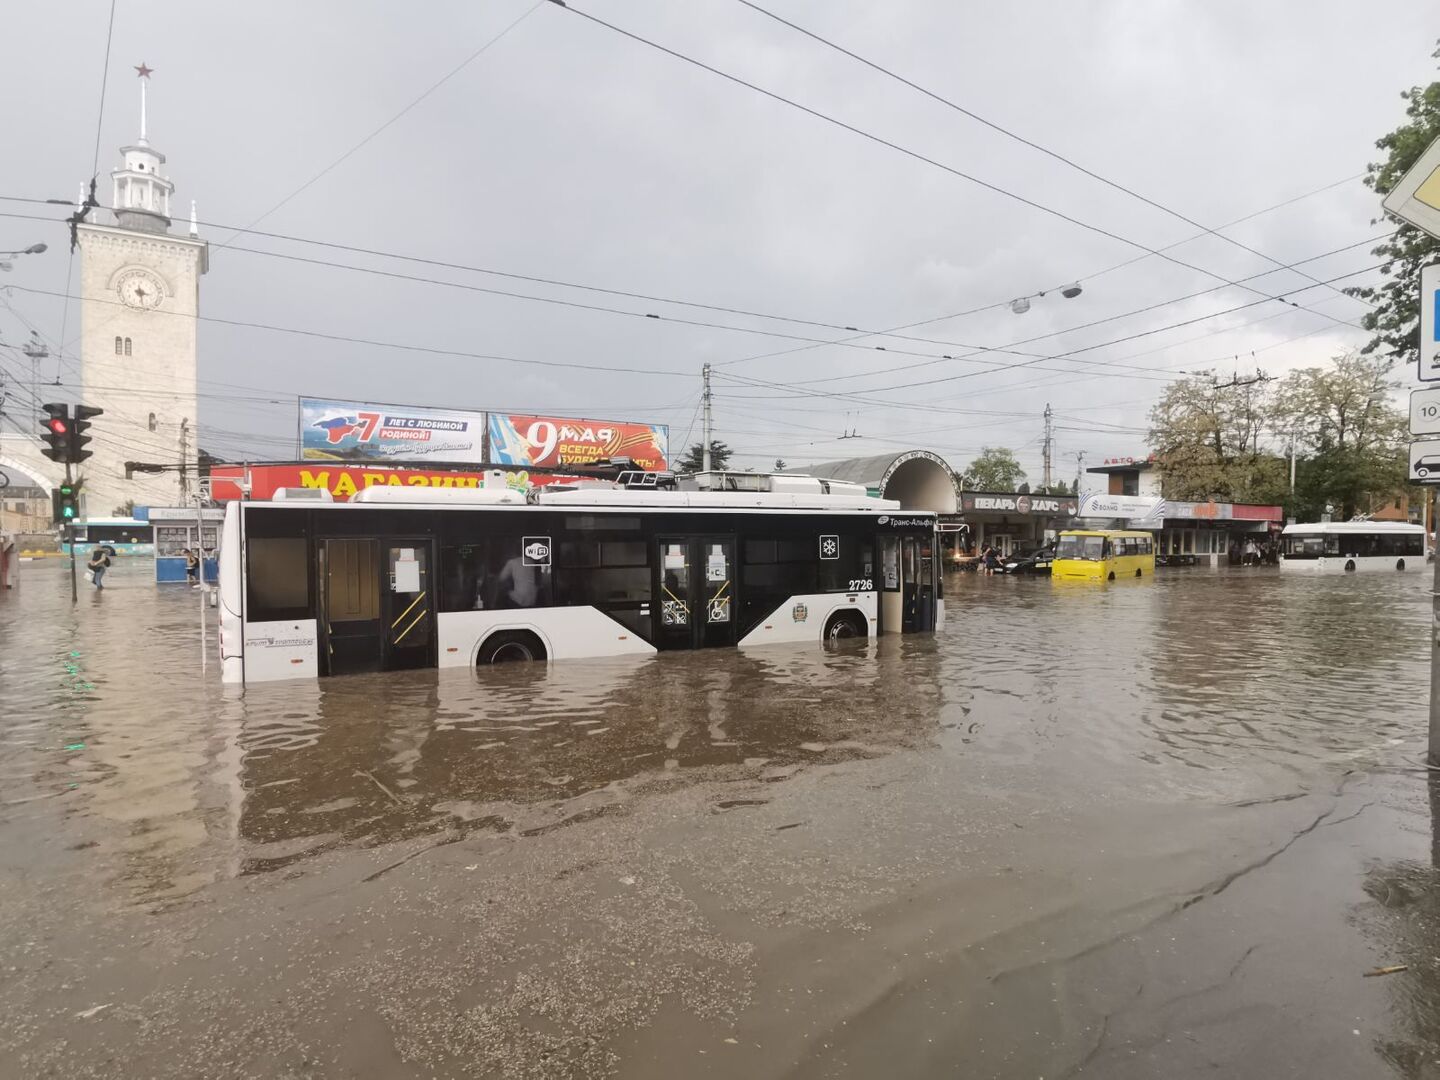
143 70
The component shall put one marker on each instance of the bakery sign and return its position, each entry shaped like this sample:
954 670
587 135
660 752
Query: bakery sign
1021 504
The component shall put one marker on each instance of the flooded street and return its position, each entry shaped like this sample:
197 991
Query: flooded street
1157 830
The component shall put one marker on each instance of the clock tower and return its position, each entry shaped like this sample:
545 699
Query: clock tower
139 298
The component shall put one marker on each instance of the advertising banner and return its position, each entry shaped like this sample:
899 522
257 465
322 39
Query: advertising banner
343 480
554 442
1140 510
1021 504
356 431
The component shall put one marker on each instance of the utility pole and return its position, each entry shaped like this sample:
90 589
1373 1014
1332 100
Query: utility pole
1049 444
705 428
1292 462
184 458
1079 468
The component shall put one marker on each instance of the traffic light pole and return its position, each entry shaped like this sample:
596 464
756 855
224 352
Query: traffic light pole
70 540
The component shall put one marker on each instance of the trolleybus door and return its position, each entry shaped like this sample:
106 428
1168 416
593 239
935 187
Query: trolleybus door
695 592
376 605
408 605
350 613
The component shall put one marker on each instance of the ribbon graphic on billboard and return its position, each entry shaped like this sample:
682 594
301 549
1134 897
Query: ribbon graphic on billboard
552 442
356 431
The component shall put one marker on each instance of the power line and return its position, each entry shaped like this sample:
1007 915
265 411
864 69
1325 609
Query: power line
915 154
854 396
366 140
1084 277
1205 229
350 340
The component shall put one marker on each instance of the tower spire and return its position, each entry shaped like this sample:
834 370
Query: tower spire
143 73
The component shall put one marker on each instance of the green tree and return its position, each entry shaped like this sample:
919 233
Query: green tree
994 470
1395 317
694 459
780 465
1354 438
1206 438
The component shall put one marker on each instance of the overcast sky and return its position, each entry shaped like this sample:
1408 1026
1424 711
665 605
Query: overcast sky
566 151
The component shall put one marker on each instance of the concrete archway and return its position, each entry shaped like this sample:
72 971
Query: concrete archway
917 479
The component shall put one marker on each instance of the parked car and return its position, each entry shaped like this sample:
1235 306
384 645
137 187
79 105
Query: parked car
1030 562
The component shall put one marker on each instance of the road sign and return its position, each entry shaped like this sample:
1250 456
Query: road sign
1416 198
1425 461
1425 411
1430 324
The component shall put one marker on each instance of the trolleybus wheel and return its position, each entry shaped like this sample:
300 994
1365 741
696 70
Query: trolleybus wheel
510 645
1350 566
1400 565
845 624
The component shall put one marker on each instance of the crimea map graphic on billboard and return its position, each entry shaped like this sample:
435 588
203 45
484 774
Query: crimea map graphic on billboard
553 442
360 431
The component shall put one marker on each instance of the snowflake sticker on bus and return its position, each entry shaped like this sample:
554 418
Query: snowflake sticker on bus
829 547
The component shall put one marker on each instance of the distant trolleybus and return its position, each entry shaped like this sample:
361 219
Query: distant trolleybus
413 577
1338 546
1103 555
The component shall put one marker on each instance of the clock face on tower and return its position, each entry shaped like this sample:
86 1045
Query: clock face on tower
140 289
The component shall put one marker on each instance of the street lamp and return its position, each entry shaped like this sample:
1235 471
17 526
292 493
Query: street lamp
33 249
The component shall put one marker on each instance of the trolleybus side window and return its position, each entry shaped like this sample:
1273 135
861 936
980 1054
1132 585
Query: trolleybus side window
771 572
494 572
610 573
279 576
852 569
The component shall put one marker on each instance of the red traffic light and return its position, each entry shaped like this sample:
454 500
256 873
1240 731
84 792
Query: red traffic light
58 426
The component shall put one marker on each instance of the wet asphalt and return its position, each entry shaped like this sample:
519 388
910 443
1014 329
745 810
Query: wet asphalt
1163 829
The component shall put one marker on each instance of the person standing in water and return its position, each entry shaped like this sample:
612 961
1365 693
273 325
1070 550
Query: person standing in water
98 564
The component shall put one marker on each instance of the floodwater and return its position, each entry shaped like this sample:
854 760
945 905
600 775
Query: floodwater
1160 829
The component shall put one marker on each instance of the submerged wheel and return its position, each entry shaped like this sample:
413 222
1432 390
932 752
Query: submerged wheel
1400 564
1138 572
509 646
1350 565
846 624
1112 576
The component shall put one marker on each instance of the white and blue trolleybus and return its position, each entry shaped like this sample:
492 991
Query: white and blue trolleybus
1340 546
402 578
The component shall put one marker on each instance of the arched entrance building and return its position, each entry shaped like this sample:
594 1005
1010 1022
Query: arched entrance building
917 479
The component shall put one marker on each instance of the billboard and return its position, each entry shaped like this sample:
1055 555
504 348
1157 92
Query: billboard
358 431
343 480
554 442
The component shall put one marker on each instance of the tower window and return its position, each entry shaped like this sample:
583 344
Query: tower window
127 346
153 423
117 346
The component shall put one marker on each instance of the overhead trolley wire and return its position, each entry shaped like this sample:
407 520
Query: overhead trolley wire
916 155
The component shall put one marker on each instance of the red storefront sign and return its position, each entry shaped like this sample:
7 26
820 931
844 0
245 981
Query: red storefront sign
342 481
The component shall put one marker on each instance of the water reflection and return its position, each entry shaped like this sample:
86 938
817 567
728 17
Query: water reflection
1181 686
380 758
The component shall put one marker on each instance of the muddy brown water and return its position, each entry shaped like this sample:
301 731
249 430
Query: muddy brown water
1153 830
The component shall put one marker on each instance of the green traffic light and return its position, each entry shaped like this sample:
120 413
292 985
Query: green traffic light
67 511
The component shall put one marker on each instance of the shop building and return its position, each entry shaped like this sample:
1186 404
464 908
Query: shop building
1008 521
1200 533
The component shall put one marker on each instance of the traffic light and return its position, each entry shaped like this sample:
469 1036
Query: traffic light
65 503
78 438
57 433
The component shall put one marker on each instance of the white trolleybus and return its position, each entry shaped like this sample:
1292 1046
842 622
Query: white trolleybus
1341 546
411 578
